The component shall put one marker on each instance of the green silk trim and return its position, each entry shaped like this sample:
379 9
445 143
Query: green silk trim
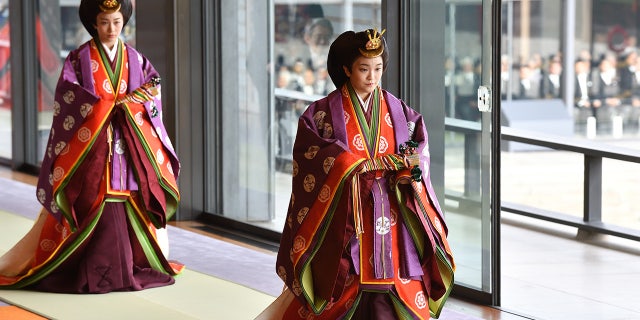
173 198
114 75
371 131
306 275
146 243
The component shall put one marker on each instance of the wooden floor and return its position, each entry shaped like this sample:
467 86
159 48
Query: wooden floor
548 272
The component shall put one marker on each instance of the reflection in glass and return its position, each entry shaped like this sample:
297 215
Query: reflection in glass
265 92
463 189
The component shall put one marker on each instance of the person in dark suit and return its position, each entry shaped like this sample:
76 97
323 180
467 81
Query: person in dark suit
552 80
530 85
605 91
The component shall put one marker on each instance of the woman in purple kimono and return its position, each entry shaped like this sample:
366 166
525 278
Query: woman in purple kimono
108 178
365 236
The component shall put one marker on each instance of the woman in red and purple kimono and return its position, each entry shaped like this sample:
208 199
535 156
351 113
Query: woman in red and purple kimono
364 236
108 178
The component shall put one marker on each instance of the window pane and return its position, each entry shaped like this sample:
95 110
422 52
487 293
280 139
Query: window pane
274 67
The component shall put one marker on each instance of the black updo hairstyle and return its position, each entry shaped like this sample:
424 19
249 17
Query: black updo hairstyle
346 49
89 10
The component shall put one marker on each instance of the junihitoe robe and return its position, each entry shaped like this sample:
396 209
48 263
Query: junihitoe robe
107 182
363 236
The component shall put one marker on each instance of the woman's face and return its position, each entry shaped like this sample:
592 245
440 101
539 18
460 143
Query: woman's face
109 26
365 75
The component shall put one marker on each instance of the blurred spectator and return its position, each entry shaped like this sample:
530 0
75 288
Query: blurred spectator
635 101
449 75
505 74
309 79
627 69
318 35
583 84
530 83
606 87
297 75
552 83
324 85
466 84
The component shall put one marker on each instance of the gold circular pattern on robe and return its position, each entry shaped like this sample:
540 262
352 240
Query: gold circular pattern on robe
309 183
41 195
56 108
86 109
325 193
328 164
59 147
47 245
311 152
327 132
66 149
282 273
54 207
295 287
299 243
58 172
294 168
84 134
68 123
69 97
302 214
318 118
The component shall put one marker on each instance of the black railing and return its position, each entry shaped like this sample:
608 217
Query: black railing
592 190
593 154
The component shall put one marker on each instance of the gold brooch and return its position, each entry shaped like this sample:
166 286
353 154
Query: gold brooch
373 47
109 6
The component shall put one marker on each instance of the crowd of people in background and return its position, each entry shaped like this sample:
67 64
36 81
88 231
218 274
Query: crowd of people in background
605 86
308 71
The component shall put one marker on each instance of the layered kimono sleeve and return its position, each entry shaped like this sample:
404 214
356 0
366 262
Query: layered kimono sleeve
315 236
154 106
73 102
424 218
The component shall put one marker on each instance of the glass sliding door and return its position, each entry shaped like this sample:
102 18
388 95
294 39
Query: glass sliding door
471 200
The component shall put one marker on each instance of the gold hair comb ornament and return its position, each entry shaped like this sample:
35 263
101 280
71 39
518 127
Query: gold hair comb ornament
373 47
109 6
